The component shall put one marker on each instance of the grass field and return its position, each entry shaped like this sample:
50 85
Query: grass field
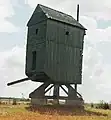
23 112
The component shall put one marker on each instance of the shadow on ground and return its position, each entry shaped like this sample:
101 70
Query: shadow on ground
63 110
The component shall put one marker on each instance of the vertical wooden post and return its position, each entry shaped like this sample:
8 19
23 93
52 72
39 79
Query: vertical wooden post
56 93
76 87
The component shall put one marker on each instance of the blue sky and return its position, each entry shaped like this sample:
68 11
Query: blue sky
14 15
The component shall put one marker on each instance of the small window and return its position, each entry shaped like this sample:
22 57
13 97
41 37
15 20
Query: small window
36 31
67 32
33 60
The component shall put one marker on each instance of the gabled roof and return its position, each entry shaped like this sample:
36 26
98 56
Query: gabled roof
59 16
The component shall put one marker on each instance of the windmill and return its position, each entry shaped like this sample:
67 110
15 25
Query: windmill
54 53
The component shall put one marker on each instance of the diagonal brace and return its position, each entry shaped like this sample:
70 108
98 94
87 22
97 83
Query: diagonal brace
64 89
49 88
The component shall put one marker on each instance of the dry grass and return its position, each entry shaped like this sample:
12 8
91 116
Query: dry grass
9 112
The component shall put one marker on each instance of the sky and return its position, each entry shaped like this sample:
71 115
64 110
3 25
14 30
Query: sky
94 15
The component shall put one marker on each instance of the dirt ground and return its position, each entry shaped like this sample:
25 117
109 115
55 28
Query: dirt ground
24 112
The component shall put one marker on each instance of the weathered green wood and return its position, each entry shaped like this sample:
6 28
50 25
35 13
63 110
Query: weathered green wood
36 42
37 17
63 54
59 54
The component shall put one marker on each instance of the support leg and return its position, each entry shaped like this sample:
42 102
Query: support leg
38 95
73 99
56 94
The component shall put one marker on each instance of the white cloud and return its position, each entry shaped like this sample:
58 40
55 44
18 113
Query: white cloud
96 76
8 27
93 33
6 10
50 3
